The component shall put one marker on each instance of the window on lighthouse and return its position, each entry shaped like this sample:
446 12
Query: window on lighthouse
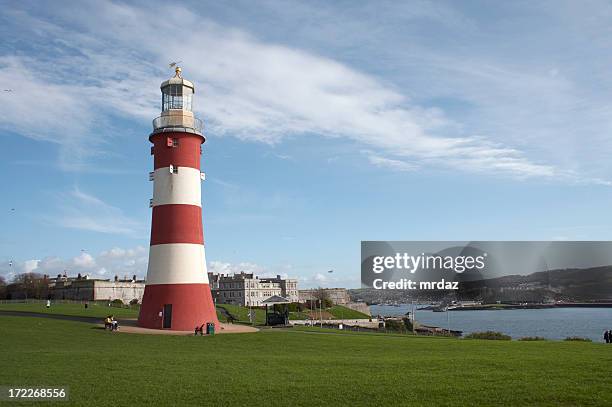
176 97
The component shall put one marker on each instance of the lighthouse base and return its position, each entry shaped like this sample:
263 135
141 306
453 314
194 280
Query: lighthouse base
178 307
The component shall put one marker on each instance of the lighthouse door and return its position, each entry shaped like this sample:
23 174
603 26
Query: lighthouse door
167 316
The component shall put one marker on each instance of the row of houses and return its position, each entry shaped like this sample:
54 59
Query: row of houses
246 289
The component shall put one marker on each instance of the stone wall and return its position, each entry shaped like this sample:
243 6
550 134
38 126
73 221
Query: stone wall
97 290
125 291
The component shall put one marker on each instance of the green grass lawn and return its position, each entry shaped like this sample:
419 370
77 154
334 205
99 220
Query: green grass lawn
94 309
291 367
101 309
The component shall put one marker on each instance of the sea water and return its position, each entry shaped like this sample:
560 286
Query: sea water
550 323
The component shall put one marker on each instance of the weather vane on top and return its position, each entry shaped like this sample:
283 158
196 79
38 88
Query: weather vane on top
177 69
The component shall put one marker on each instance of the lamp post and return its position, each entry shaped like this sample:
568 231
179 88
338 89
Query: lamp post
251 306
310 297
321 312
321 302
414 307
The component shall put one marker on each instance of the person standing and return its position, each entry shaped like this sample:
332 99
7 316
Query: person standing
607 336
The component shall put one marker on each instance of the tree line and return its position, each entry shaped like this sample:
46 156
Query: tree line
25 286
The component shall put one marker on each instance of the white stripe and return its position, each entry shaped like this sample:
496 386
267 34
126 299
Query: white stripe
181 188
177 263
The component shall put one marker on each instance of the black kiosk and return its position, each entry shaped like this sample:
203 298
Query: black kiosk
277 310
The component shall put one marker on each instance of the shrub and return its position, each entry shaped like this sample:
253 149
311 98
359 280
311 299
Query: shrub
134 301
490 335
577 339
326 303
407 324
116 302
294 307
395 325
532 338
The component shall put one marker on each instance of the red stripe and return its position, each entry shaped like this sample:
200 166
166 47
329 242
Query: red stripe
185 154
176 224
192 305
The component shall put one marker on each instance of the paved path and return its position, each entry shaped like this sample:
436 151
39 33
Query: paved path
128 325
52 316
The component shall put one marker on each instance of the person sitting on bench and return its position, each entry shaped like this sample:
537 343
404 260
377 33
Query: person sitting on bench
114 323
108 324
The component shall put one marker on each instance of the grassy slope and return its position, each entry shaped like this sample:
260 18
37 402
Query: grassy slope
242 316
341 312
299 368
242 313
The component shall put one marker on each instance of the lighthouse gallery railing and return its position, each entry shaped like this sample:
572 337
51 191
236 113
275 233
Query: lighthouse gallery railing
163 122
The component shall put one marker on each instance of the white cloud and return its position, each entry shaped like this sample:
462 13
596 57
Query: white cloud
245 88
84 260
30 265
220 267
328 280
116 261
126 262
321 278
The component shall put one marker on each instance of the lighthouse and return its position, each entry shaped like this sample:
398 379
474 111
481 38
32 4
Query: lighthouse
177 293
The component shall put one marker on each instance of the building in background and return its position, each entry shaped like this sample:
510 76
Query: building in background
247 289
339 296
89 289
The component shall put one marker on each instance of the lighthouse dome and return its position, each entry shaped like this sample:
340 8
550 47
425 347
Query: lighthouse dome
177 93
177 107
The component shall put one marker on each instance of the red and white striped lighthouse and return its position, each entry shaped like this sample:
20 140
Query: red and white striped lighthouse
177 294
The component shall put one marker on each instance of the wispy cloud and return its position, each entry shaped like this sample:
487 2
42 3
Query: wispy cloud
390 163
253 90
83 211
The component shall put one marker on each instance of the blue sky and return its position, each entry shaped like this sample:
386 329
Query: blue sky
328 123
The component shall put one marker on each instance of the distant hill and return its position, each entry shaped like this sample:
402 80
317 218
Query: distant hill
590 284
